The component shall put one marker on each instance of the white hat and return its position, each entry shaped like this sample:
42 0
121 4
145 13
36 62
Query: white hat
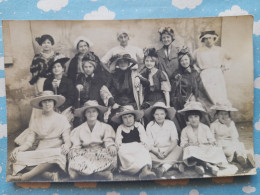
82 38
170 111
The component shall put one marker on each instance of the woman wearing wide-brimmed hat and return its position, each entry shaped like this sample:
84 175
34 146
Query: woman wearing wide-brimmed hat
132 143
212 61
163 138
41 62
59 83
227 136
125 86
198 142
83 45
52 130
93 151
167 55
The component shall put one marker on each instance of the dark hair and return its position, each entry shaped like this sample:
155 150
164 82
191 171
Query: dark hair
203 39
127 114
229 113
192 112
62 64
169 32
80 41
41 39
181 56
40 103
99 117
154 110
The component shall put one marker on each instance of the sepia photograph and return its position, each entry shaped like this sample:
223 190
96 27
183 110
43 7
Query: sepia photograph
129 100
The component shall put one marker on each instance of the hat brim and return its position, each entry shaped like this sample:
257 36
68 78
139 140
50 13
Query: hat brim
224 109
138 115
209 35
170 112
61 61
113 65
80 111
59 99
183 111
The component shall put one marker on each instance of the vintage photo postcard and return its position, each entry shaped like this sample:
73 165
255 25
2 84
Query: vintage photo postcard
129 100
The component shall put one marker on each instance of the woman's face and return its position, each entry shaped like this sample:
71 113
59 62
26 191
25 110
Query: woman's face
88 68
123 39
83 47
91 114
46 45
57 69
123 64
159 115
185 61
128 120
194 120
149 62
166 39
223 116
47 105
209 41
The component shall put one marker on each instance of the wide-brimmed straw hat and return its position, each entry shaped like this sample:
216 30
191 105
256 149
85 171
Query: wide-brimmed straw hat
114 59
128 109
223 107
82 38
47 95
170 110
90 104
192 105
208 33
59 58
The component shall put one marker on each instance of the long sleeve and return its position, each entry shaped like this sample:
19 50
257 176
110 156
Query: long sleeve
75 138
184 138
66 136
105 94
142 134
30 139
119 136
109 136
72 70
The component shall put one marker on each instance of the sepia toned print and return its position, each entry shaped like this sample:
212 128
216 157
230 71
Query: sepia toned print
110 101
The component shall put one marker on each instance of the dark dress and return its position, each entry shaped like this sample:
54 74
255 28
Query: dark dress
66 88
153 93
168 63
132 136
40 67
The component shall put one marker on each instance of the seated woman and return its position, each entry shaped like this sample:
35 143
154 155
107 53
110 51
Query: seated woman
60 84
124 85
186 84
53 131
198 142
163 138
227 136
93 149
132 143
155 82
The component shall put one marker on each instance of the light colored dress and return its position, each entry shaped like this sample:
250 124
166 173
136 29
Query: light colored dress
228 139
135 155
161 137
209 61
51 131
89 152
205 151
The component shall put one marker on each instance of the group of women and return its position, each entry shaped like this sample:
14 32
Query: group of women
119 113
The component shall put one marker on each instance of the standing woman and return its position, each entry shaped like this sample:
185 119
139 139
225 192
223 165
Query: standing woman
40 67
60 84
167 55
82 45
132 142
163 138
211 61
93 145
53 132
155 82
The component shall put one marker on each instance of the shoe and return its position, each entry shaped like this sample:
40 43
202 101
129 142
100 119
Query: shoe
213 169
107 175
199 169
160 172
147 174
250 160
181 168
242 160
